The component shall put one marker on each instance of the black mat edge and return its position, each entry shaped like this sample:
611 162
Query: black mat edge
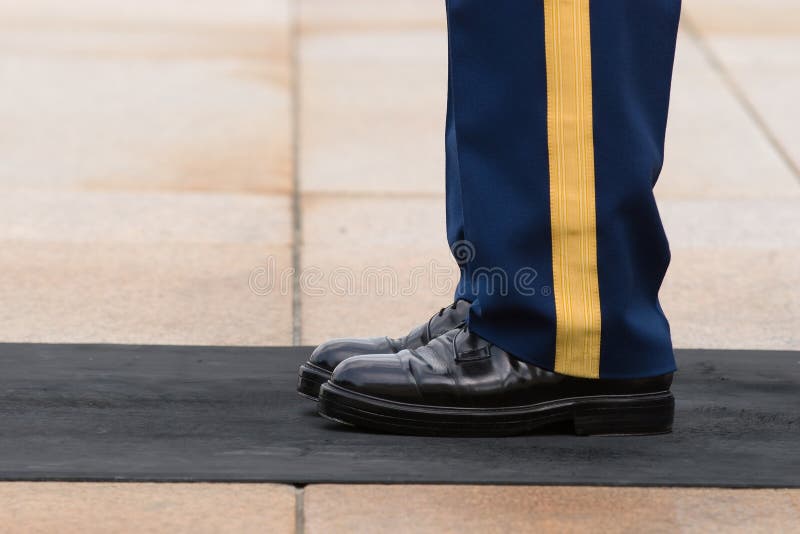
12 477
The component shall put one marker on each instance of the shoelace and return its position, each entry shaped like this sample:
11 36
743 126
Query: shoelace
453 306
427 337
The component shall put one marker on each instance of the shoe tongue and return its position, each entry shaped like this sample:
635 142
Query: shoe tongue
451 317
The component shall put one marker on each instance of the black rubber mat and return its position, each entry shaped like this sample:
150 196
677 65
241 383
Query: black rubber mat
115 412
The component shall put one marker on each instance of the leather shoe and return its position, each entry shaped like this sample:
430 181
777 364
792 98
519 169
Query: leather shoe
317 370
460 384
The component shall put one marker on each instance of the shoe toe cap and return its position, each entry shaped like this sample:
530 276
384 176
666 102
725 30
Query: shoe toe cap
331 353
384 376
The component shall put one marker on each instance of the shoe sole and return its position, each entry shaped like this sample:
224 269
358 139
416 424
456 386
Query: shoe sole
625 415
311 380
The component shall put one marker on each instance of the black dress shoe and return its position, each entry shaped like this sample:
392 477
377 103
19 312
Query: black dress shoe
317 370
460 384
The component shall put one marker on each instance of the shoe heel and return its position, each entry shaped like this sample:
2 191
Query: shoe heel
629 415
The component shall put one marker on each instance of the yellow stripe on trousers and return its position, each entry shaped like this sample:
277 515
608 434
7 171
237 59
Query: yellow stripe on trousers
572 187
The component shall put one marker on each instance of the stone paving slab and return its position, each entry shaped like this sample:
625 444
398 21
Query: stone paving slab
756 45
188 294
388 297
384 261
197 508
484 509
146 171
144 217
389 15
109 95
142 268
734 271
361 127
765 17
714 148
766 69
746 224
273 13
729 298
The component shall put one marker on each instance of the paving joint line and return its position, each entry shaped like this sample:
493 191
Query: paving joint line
297 210
739 94
299 510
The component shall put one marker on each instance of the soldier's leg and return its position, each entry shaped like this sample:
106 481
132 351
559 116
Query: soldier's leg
556 127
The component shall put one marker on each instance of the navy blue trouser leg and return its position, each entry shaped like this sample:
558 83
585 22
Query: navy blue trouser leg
555 132
462 251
